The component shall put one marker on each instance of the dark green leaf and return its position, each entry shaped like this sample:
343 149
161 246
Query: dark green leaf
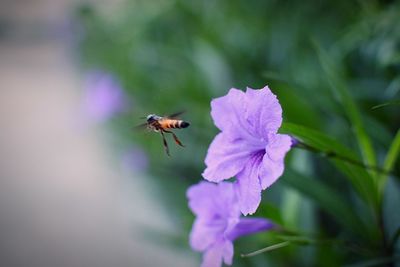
375 262
343 158
327 199
344 97
305 240
390 160
267 210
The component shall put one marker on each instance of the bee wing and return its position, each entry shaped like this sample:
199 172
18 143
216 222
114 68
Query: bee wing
177 114
140 126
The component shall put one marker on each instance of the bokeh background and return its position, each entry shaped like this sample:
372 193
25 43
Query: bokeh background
79 187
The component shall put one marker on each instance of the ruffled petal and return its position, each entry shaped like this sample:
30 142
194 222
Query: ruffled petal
228 113
248 186
199 198
205 233
248 226
212 257
222 250
264 113
225 203
226 157
272 165
227 252
225 108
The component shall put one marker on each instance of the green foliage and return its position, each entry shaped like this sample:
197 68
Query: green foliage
328 199
343 158
390 160
329 62
333 75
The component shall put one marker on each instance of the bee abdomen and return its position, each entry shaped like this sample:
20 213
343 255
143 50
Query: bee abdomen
184 124
177 124
180 124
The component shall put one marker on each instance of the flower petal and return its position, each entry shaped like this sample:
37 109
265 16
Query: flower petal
248 186
227 252
248 226
213 256
208 199
199 198
225 158
263 112
204 233
273 161
222 250
225 203
225 108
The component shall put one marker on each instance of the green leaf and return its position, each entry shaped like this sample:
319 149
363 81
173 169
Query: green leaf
306 240
390 160
344 97
390 214
342 157
327 199
269 211
376 262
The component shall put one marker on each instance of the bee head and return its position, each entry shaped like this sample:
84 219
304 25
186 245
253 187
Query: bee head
151 118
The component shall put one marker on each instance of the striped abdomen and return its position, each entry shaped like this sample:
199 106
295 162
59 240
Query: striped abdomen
173 124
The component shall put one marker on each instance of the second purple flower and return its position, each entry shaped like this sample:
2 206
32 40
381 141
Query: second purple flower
248 146
218 222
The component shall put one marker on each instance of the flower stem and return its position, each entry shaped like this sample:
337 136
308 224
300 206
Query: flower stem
266 249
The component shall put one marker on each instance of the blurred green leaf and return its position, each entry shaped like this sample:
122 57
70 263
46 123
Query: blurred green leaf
390 210
327 199
269 211
337 83
395 238
305 240
390 160
291 209
385 261
343 158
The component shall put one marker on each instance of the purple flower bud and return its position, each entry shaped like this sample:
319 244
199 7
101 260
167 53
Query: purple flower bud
294 141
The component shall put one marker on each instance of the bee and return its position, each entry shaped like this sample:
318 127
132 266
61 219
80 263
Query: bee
163 124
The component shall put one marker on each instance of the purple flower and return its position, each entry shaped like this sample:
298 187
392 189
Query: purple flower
218 222
103 96
248 145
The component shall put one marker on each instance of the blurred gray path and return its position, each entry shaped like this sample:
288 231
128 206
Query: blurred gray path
61 203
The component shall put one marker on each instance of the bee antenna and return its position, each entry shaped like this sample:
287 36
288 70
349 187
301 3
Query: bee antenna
142 118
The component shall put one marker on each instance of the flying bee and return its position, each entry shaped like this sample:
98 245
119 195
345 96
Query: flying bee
163 125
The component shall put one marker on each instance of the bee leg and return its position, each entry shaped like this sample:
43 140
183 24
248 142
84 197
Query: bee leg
165 143
175 138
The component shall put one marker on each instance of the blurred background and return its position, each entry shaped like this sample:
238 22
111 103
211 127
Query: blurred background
78 187
65 198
